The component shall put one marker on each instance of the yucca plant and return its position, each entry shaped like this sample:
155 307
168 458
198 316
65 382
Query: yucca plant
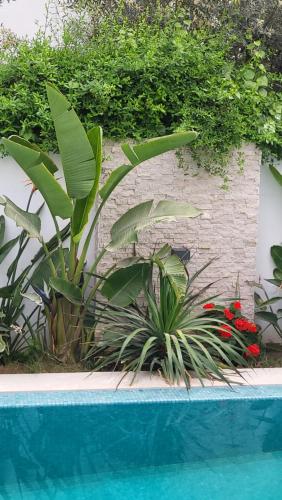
64 286
171 334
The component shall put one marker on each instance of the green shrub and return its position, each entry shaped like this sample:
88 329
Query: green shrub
146 80
171 334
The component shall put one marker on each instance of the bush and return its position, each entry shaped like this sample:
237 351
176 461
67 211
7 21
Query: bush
171 334
146 80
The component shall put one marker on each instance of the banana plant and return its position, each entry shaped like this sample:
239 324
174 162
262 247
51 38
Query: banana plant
66 292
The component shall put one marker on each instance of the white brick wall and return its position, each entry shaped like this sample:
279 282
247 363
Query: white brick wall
227 228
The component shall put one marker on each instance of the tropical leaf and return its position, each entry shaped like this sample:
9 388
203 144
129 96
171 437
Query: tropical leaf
3 345
75 149
5 249
70 291
2 228
82 207
42 273
267 316
29 222
276 254
33 297
29 160
127 227
173 268
113 180
154 147
277 273
6 292
276 174
44 158
51 244
124 285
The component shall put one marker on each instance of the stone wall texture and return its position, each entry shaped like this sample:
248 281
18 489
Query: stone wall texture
227 228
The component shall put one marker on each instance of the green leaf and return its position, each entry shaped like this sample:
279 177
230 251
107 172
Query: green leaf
30 161
276 254
42 273
2 228
33 297
6 292
75 149
123 286
275 282
83 207
276 174
277 273
249 74
127 227
268 302
70 291
2 345
44 158
113 180
29 222
262 81
5 249
269 317
173 268
159 145
250 85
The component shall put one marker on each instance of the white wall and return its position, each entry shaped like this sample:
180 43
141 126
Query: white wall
269 230
23 16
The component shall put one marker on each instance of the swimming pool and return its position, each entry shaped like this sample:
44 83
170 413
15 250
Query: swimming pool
208 444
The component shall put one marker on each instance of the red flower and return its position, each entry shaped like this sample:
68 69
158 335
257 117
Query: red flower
228 314
253 350
237 305
252 327
210 305
241 324
225 331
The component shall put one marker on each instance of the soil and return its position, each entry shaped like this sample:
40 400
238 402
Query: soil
271 358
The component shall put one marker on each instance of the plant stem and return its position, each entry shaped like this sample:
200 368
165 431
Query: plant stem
60 248
86 244
93 268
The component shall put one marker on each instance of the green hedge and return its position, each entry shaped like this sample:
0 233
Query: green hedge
146 81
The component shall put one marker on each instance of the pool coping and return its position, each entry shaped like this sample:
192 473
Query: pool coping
111 381
156 396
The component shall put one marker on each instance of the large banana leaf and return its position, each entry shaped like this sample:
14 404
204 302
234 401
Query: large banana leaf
126 229
29 222
154 147
75 149
83 207
30 161
123 286
44 158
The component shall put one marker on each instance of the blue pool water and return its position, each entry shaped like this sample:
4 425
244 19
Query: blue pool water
163 444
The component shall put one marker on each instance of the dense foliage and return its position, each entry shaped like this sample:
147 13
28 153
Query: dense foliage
262 18
146 80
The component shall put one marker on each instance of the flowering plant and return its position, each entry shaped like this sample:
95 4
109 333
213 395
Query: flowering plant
234 320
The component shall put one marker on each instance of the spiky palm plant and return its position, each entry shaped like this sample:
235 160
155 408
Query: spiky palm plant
171 335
